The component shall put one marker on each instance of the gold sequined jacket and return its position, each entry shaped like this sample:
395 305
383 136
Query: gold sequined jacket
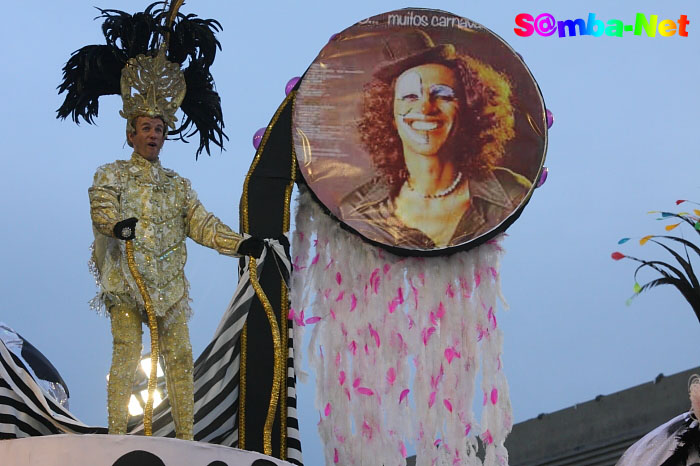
168 212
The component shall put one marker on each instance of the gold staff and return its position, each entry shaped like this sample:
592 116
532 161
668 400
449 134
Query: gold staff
153 327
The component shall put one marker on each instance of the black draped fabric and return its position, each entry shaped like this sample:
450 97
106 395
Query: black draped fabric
268 183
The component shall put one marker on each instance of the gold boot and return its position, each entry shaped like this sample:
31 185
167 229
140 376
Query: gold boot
177 352
126 350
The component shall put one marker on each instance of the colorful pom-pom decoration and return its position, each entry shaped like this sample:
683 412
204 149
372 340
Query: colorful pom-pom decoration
290 85
550 119
623 241
617 256
543 176
257 137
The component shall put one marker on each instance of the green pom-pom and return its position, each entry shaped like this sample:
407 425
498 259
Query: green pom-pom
637 288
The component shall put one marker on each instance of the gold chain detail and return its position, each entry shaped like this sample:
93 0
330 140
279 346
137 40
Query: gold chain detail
241 387
277 353
153 327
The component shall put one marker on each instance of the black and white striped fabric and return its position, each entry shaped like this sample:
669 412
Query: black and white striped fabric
24 411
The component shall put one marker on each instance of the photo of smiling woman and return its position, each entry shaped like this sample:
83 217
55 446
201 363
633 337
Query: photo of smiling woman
435 124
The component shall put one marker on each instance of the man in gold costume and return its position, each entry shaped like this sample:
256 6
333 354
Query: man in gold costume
167 211
140 201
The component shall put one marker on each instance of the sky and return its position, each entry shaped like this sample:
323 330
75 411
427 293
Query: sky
624 142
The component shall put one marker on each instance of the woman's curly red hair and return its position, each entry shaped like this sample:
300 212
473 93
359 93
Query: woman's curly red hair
486 122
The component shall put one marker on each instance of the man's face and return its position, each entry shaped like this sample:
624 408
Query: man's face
148 137
425 107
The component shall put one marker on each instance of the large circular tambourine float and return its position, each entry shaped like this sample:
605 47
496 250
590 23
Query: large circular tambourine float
422 131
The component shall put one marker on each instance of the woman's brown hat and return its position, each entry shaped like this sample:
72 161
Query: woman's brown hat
406 50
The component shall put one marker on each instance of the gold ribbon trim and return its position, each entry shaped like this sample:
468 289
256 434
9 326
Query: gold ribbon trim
278 369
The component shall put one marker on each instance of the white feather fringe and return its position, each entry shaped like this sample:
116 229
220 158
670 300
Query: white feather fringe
396 346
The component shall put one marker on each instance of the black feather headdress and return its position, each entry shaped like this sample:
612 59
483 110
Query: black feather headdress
189 41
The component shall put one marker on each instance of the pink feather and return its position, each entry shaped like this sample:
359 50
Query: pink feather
414 292
433 319
492 318
391 376
374 335
440 311
431 400
366 430
426 333
447 404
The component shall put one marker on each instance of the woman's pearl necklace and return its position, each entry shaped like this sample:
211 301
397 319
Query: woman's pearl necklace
449 190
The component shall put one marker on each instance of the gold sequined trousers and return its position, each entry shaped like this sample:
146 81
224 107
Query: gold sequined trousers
176 349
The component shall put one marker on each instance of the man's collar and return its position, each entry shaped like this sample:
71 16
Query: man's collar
140 162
